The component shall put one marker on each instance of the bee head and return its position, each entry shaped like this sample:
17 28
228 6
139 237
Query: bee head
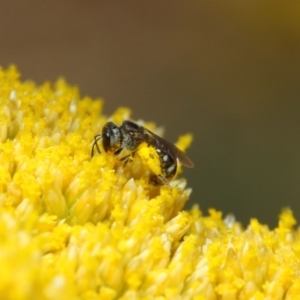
111 137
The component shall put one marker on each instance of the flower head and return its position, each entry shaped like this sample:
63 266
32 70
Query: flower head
76 227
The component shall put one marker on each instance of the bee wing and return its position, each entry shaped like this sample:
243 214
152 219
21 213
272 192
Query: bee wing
166 146
183 158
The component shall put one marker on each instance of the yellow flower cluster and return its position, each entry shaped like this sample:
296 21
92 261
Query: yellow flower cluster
76 227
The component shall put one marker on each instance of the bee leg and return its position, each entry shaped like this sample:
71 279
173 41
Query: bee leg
95 144
158 180
127 158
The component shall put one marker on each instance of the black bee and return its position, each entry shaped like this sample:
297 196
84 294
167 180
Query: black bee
130 135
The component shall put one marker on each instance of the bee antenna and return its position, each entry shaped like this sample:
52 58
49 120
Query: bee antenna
95 144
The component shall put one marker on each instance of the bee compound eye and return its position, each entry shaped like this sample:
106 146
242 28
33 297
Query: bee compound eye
111 137
106 141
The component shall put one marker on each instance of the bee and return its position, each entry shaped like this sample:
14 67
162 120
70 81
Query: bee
129 136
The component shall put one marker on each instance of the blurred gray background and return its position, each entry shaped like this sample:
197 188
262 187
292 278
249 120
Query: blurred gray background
228 71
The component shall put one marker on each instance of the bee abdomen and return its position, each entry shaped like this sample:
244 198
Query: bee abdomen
168 165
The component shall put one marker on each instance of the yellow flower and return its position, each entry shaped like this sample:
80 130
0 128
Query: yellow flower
76 227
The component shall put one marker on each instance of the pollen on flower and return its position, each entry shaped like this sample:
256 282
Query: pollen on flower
74 226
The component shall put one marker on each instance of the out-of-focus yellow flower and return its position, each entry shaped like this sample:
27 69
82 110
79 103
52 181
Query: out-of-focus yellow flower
76 227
